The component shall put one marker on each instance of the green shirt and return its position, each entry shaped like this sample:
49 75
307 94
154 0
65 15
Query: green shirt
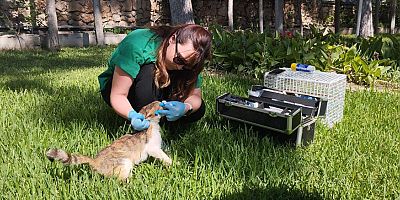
138 48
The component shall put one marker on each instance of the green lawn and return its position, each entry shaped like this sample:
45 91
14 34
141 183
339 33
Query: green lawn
52 100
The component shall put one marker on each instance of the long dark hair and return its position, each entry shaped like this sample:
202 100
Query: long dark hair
181 82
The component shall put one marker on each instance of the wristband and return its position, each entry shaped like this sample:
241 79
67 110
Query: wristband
190 109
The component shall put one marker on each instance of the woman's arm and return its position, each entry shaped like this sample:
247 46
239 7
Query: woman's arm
121 83
194 100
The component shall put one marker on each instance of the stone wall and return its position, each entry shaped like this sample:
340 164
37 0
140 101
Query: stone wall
121 13
115 13
19 14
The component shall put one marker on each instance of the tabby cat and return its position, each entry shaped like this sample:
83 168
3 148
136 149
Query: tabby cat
118 158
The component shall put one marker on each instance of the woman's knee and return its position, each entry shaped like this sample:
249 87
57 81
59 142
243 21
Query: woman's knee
197 115
107 92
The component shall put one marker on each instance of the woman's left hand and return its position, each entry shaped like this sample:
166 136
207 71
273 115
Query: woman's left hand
173 110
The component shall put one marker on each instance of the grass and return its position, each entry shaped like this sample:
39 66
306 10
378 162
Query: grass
52 100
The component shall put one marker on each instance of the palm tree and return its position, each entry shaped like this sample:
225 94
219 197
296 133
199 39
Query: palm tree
181 12
392 15
299 20
230 14
337 15
98 23
53 41
279 16
377 15
261 15
366 27
33 12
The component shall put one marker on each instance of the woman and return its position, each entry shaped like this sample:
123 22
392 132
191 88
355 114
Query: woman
160 63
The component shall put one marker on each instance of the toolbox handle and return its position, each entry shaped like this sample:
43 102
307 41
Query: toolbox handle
275 103
305 110
276 95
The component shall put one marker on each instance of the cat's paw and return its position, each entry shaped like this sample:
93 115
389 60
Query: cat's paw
167 162
177 163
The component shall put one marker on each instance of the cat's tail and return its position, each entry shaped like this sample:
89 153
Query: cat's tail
68 159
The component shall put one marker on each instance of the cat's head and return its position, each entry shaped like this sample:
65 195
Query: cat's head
149 111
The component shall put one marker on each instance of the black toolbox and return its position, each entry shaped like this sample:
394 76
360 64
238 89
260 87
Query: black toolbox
274 110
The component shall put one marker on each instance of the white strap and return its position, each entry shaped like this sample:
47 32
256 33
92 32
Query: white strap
190 106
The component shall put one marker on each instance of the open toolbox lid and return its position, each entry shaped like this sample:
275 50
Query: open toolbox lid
311 106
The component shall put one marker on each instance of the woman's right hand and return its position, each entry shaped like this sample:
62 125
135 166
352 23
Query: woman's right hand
138 122
173 110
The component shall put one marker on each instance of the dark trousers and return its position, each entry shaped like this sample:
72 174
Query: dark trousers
144 92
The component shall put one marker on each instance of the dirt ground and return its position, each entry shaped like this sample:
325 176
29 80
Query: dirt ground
382 86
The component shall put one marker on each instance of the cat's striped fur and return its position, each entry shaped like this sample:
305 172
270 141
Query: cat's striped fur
118 158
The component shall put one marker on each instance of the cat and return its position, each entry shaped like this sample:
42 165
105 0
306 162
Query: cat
118 158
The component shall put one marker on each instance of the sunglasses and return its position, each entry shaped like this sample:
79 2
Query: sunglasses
178 58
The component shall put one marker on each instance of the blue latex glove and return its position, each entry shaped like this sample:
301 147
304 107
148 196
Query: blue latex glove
173 110
138 121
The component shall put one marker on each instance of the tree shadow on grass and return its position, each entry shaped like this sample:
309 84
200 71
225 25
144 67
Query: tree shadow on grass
241 154
26 84
221 141
68 105
273 193
16 62
248 152
67 172
276 138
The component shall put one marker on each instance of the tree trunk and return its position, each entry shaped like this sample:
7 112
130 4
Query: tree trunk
377 15
314 7
98 23
299 20
53 42
33 12
279 16
392 15
261 15
366 27
359 11
230 14
337 15
181 12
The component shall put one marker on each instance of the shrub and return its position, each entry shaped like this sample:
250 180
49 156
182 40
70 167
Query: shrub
252 53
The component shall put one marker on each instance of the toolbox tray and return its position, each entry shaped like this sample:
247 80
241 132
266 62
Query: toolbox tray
269 114
311 106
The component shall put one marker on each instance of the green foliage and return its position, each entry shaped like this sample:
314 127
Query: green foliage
236 51
251 53
118 30
348 61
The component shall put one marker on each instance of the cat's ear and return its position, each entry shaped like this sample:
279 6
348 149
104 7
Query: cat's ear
149 114
149 110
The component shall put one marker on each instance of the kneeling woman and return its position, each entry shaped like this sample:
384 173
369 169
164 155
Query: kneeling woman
159 63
